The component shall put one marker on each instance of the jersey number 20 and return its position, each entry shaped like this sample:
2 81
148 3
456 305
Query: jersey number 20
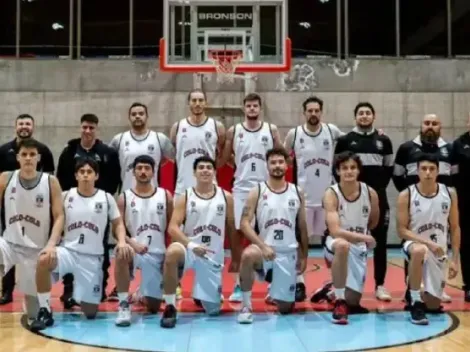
278 235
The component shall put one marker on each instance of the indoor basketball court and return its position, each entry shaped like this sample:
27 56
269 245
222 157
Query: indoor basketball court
233 42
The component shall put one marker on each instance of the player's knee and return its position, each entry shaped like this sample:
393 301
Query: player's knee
44 263
174 254
341 247
250 254
285 307
418 250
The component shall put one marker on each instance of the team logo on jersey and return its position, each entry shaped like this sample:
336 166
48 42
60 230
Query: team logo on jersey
379 145
183 130
13 190
240 135
264 140
416 203
39 200
160 208
445 207
208 135
292 288
98 207
365 211
444 152
150 148
193 206
220 209
291 203
326 144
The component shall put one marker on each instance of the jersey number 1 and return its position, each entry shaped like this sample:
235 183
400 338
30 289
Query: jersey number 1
22 230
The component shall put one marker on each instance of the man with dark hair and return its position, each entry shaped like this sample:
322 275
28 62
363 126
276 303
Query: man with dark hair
88 147
248 141
426 213
8 162
376 153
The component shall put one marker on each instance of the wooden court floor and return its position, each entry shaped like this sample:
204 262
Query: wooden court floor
14 338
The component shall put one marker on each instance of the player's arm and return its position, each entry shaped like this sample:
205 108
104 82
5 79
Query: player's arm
403 220
289 142
177 220
58 216
173 132
4 176
277 142
375 210
399 168
121 204
455 234
330 204
114 143
169 208
116 216
227 150
235 243
168 149
302 220
221 136
248 216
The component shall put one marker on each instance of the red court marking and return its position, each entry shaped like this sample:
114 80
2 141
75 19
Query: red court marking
314 279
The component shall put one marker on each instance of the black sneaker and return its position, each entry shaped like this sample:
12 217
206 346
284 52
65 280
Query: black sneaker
418 314
467 296
407 300
300 294
69 303
6 298
340 312
321 294
168 320
197 302
358 310
113 296
42 321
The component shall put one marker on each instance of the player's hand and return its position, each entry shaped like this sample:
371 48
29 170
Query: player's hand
139 248
50 253
268 252
370 242
437 250
201 251
453 269
124 251
301 265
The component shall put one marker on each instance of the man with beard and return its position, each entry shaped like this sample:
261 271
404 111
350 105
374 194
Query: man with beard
376 153
405 171
8 162
312 145
248 141
88 147
274 254
140 140
193 137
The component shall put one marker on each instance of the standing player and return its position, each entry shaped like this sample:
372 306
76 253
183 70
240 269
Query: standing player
352 210
313 147
198 226
248 141
88 212
146 211
29 198
193 137
279 210
140 140
425 213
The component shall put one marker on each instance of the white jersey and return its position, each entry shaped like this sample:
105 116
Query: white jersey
250 149
87 220
429 216
130 148
354 215
276 216
193 142
205 221
313 162
27 212
146 219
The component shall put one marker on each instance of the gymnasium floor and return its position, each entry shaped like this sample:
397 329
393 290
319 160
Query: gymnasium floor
387 327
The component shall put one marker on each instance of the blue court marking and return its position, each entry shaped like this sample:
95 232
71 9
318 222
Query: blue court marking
196 332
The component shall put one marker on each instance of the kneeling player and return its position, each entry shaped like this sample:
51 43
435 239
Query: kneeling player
352 210
425 211
146 210
280 212
206 212
87 214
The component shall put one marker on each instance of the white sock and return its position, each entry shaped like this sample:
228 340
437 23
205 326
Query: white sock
123 296
44 299
170 299
300 279
339 293
415 296
246 299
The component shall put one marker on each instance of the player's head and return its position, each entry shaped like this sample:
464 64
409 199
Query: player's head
89 125
348 166
313 110
24 126
144 168
428 167
197 101
252 105
204 169
86 171
276 160
138 115
28 154
364 113
430 128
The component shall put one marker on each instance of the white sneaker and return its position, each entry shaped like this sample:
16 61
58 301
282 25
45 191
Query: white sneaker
446 298
124 314
245 316
382 294
236 296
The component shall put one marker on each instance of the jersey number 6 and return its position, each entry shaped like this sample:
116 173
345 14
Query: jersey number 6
253 167
81 239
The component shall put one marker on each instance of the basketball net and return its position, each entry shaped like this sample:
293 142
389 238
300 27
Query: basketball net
226 63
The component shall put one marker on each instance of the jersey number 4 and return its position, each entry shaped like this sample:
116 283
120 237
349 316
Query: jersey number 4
317 172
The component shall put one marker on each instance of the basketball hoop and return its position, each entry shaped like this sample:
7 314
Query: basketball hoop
226 63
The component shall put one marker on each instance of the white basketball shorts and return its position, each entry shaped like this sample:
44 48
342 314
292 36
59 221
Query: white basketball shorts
316 224
151 272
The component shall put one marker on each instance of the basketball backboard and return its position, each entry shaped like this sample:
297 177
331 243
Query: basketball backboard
199 32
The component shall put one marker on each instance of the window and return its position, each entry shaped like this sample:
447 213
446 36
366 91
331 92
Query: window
372 27
105 28
148 27
460 27
45 28
7 27
312 27
423 27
